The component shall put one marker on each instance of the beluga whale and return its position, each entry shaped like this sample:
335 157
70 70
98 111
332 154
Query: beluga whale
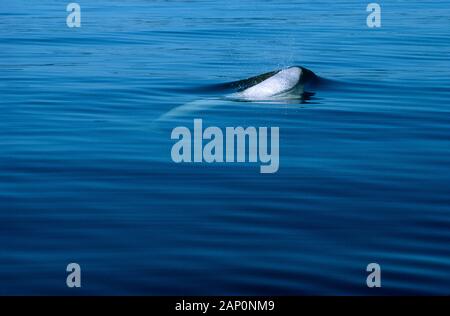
287 85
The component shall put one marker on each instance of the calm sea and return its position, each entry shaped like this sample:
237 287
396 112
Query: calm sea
86 176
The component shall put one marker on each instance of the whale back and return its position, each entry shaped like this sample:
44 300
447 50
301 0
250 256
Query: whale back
281 82
307 78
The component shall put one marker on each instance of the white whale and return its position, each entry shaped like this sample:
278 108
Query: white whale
284 84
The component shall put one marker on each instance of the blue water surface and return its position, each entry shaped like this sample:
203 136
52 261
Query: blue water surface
86 175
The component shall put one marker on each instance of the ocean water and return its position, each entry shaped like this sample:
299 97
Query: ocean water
86 175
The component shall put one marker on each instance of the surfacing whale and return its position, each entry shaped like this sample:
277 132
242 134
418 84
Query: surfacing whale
288 84
285 83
